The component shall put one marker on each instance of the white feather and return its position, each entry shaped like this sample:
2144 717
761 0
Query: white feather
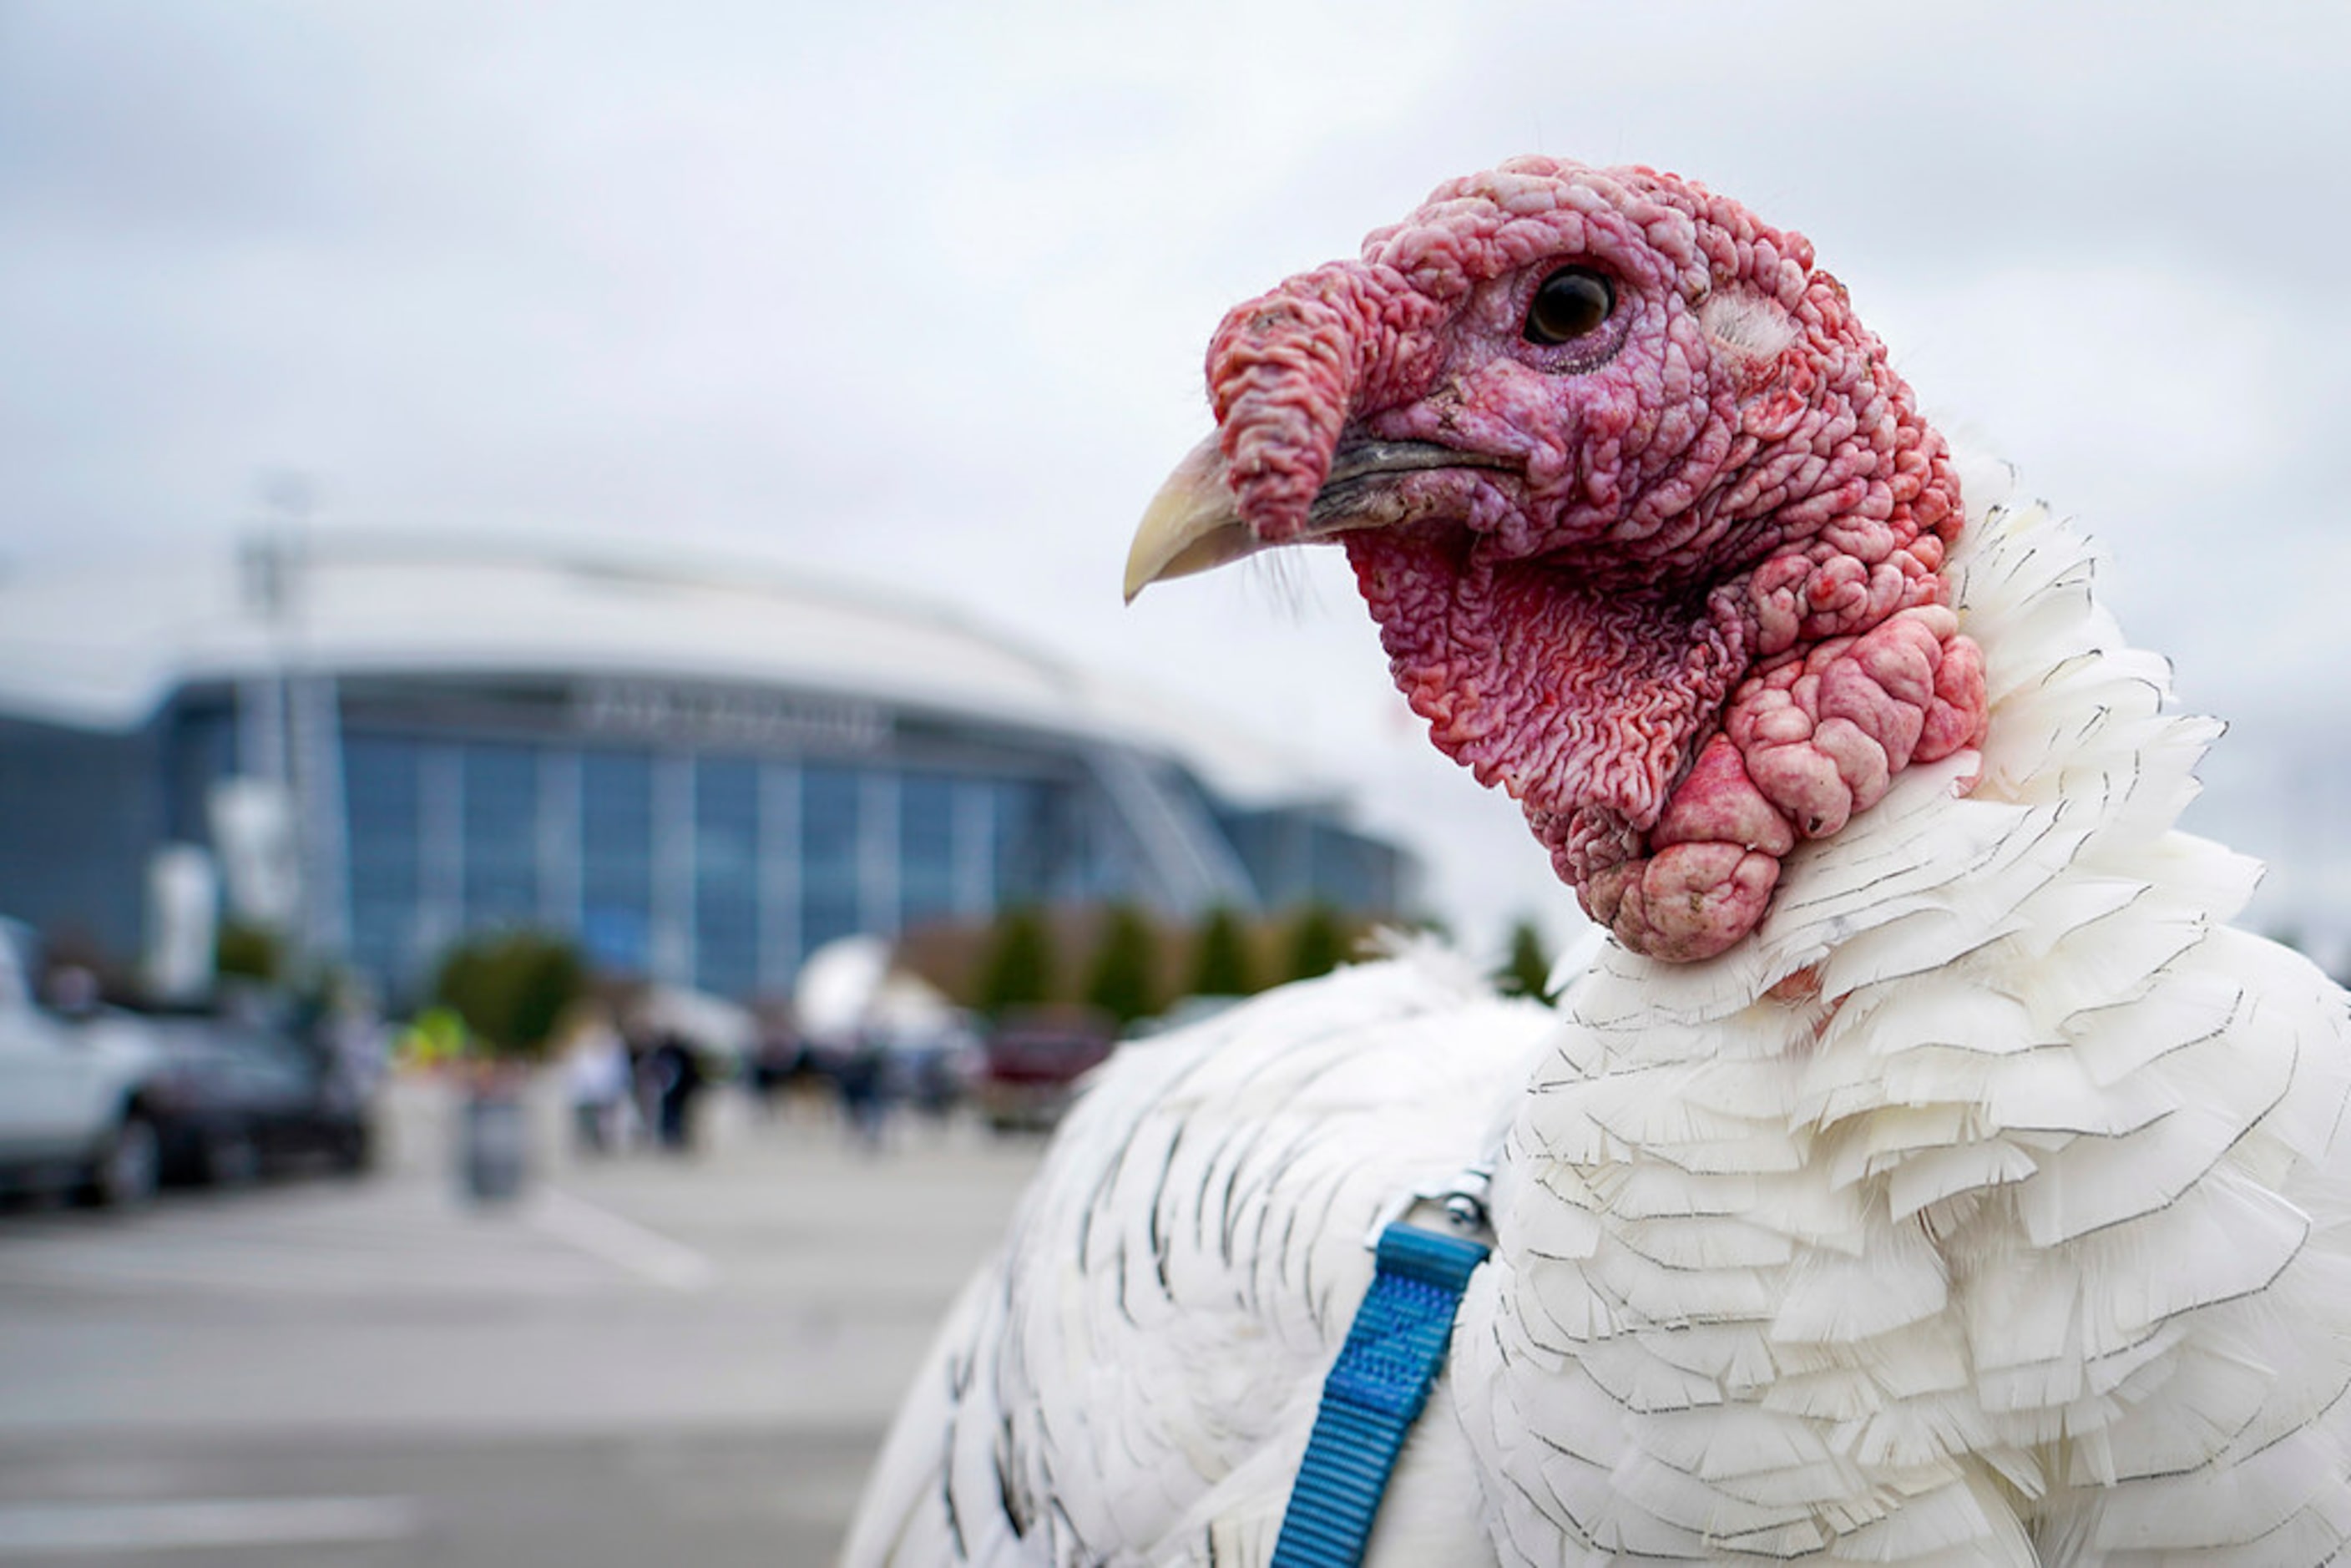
2022 1234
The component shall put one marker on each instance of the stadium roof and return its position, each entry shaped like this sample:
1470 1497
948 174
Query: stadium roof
101 647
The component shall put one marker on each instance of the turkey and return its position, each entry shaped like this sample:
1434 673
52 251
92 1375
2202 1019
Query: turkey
1920 1170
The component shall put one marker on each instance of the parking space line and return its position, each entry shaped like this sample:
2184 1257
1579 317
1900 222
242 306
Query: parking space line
621 1243
73 1527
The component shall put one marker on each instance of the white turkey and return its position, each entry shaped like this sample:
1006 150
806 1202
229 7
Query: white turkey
1922 1172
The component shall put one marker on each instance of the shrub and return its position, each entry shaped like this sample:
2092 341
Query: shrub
1018 971
1318 941
1123 982
253 952
510 988
1220 960
1526 971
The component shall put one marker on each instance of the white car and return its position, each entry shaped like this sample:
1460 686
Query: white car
73 1108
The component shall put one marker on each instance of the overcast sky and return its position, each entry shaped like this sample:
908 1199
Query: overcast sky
919 294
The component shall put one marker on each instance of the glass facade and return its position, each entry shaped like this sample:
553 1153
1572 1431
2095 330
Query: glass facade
1027 840
81 810
499 804
831 803
616 858
781 856
927 846
726 926
1297 856
383 799
720 865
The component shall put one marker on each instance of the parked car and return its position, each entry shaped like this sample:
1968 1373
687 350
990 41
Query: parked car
237 1098
77 1107
1033 1063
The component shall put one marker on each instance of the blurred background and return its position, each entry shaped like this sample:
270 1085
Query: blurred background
577 786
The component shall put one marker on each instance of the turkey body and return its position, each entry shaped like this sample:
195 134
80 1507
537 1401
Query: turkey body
1134 1379
1923 1171
1984 1205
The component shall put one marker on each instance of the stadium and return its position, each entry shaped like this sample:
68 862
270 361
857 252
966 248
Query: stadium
700 770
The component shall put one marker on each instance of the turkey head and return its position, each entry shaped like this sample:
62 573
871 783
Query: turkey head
1653 533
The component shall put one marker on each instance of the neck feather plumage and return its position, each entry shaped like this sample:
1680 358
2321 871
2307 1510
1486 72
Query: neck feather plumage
1883 1181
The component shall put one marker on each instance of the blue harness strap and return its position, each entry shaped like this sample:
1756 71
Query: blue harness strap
1394 1351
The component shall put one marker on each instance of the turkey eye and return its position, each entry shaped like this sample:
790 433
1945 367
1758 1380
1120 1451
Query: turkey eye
1569 303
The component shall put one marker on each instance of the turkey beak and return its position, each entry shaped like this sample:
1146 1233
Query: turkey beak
1190 526
1193 526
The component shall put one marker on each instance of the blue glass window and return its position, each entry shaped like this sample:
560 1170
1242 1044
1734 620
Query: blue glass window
204 751
382 793
616 858
926 843
828 854
1025 850
500 791
727 876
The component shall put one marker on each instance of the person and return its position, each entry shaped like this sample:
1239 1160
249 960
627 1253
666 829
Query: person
782 1061
596 1073
865 1092
678 1081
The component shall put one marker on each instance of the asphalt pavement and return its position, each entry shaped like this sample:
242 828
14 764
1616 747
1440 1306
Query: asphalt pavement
641 1359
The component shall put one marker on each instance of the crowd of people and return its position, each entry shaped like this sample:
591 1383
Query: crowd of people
630 1087
632 1084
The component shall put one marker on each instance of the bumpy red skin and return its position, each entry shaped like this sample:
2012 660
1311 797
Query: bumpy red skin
1688 605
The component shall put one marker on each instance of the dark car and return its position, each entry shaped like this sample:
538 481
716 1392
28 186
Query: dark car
238 1098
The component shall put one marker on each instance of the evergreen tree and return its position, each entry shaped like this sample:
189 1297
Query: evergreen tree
1318 941
1019 972
1526 971
1123 983
1220 961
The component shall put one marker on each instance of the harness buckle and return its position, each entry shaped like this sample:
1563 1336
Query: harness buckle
1461 1198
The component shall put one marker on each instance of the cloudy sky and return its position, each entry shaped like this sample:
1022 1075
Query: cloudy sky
918 295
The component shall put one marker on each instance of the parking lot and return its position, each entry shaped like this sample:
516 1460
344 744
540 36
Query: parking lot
641 1359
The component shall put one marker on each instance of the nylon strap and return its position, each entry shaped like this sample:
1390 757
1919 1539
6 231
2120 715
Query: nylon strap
1395 1348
